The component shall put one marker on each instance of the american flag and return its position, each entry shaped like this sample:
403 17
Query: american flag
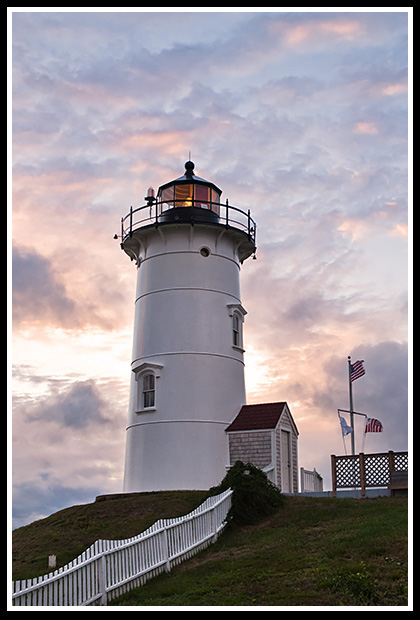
373 426
356 370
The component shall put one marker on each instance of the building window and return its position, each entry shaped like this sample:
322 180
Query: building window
237 314
146 378
148 391
236 330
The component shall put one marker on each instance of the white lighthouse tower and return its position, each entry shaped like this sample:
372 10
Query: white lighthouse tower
187 379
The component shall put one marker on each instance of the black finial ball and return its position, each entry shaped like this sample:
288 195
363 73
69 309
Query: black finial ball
189 166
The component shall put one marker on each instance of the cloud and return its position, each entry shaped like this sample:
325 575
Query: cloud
69 294
44 496
366 128
37 293
79 407
68 441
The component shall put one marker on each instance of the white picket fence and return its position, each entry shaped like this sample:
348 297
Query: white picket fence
109 568
310 480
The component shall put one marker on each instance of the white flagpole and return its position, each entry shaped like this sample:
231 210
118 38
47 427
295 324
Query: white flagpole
351 407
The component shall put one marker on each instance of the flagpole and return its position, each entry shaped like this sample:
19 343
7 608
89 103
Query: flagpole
351 406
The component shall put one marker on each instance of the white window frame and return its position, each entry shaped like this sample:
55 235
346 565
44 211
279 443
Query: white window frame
237 313
141 372
148 390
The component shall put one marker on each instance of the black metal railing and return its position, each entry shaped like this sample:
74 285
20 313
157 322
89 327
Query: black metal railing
159 212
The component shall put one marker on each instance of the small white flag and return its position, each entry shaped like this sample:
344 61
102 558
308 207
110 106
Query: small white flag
345 428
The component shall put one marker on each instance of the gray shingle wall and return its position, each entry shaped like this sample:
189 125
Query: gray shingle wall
252 447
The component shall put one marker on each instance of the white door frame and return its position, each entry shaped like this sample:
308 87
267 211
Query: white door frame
286 460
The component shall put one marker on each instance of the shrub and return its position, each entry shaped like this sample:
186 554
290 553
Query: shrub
254 495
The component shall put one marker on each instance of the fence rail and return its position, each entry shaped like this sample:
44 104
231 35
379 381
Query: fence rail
366 470
108 568
310 480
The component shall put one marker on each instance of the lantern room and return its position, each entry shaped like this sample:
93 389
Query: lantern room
189 198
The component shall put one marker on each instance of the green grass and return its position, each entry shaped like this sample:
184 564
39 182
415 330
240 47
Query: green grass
311 552
69 532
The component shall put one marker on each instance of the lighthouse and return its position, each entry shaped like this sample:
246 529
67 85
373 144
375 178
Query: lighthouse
187 369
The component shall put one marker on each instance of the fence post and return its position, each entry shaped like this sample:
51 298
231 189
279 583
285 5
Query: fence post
333 475
211 516
102 574
165 549
391 463
362 473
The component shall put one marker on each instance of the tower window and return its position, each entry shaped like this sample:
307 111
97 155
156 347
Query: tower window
146 376
236 332
237 314
148 391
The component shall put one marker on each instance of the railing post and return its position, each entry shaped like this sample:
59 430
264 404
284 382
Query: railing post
391 462
333 476
362 472
131 221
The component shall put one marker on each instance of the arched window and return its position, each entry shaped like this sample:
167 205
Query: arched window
236 330
146 377
148 390
237 314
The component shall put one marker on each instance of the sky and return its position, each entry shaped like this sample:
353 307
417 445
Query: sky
303 117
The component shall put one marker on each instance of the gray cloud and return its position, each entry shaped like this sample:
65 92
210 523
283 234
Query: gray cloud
68 441
37 293
382 392
44 496
78 407
40 298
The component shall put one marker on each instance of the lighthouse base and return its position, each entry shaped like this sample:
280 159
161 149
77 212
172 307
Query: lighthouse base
175 455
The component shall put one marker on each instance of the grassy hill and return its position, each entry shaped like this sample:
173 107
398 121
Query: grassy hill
69 532
313 551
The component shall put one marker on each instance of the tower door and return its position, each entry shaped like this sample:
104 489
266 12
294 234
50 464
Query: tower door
285 461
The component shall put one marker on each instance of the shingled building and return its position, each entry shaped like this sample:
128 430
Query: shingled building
266 436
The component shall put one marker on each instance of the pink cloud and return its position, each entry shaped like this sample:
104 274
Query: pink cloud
366 128
322 31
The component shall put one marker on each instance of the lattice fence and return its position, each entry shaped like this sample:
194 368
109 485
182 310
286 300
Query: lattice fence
366 470
347 472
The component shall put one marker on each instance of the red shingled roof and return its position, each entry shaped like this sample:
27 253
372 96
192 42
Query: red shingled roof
255 417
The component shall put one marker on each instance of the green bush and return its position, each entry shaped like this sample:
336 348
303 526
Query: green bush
254 495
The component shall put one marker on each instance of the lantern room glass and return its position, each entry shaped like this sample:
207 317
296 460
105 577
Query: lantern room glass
189 195
184 195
